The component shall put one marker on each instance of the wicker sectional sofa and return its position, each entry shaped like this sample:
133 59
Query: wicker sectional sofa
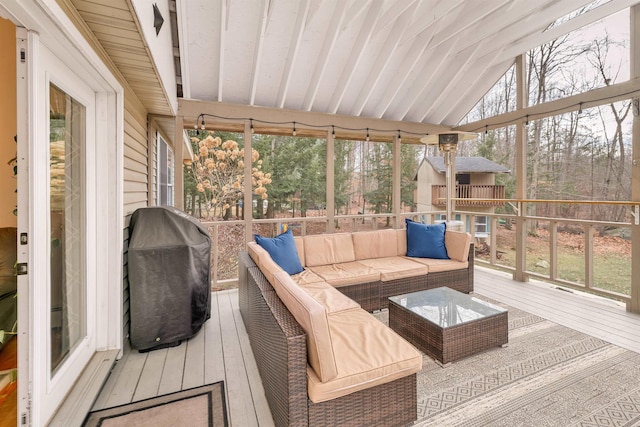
323 358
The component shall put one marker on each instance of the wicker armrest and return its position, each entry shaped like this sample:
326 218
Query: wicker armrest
280 348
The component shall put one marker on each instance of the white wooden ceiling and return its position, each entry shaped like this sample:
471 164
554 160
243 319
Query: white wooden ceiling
425 61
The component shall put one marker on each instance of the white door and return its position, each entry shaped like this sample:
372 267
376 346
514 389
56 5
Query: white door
61 206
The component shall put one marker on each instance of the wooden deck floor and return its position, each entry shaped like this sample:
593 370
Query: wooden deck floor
221 350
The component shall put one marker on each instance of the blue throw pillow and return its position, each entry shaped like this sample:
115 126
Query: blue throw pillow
426 241
282 249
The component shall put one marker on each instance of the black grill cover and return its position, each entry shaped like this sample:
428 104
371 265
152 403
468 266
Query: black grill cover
169 277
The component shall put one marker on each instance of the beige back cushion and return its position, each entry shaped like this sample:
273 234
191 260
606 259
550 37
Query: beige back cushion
300 248
312 317
324 249
260 256
375 244
457 244
254 252
401 235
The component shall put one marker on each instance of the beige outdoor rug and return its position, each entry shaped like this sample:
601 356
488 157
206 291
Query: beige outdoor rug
548 375
202 406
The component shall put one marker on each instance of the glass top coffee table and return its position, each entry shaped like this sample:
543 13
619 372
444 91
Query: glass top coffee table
448 325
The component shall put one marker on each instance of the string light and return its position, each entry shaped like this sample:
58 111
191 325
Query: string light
295 124
399 137
580 109
486 129
527 122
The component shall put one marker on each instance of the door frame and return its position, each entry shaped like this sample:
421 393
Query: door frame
43 22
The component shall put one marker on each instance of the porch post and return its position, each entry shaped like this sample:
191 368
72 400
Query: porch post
397 177
521 173
178 169
331 204
247 201
634 304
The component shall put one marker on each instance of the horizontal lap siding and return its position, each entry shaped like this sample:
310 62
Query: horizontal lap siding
135 185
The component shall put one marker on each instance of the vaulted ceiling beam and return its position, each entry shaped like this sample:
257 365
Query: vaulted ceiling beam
533 40
325 53
257 53
386 55
357 51
294 48
410 61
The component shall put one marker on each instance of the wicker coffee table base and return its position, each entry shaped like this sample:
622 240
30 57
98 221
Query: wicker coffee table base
446 345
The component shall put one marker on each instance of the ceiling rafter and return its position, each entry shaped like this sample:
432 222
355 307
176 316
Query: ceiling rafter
294 48
454 99
415 91
447 82
397 9
411 59
470 16
332 32
357 51
476 91
257 53
515 12
530 41
526 26
439 10
386 55
224 15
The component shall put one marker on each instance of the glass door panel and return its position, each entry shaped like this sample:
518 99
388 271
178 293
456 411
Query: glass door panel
67 128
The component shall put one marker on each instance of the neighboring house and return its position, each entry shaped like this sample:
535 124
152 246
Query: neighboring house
96 90
475 179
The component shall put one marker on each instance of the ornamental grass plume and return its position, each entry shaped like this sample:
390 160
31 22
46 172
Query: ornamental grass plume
218 169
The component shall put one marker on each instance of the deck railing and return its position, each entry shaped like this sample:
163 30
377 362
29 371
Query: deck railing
470 195
563 251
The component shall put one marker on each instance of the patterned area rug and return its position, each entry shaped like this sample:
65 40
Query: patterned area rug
548 375
201 406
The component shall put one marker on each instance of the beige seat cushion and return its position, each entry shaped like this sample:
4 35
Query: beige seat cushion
305 277
457 244
325 249
332 299
395 267
375 244
439 265
347 273
312 317
367 352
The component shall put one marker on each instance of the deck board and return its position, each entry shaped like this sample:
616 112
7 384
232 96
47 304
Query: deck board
221 350
214 360
172 374
590 314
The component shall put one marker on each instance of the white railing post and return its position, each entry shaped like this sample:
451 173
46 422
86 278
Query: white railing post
553 249
588 255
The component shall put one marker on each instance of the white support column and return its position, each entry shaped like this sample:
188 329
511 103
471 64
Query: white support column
521 173
396 196
634 304
331 203
178 166
247 201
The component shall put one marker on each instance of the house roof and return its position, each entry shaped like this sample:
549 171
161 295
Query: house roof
422 61
467 165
